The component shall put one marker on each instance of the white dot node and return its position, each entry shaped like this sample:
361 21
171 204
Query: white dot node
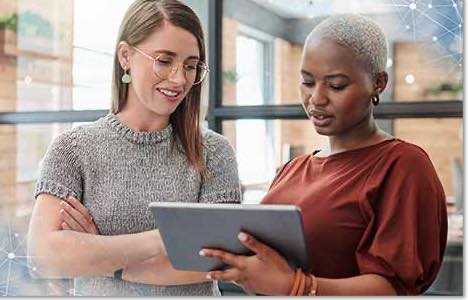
410 79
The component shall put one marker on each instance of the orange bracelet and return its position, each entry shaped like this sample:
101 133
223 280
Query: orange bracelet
297 278
313 285
302 285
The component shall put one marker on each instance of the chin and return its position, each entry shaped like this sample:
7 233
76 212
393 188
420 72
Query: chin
324 131
164 110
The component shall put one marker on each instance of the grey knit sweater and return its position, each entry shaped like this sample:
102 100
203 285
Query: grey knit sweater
116 172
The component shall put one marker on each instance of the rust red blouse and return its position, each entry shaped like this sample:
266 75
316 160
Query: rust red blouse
379 209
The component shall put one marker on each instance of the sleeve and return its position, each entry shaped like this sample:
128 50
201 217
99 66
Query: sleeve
407 232
60 173
221 183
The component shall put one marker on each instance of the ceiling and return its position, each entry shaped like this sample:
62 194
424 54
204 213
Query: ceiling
301 9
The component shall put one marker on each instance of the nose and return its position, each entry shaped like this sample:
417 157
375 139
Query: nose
318 97
178 75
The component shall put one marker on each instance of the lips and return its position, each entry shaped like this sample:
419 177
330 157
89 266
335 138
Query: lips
170 94
321 119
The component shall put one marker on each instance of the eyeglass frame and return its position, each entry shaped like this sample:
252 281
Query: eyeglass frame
175 68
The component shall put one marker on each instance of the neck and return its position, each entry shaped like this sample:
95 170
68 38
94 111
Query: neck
366 133
139 118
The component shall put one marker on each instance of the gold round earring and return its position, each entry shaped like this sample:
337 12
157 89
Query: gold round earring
126 78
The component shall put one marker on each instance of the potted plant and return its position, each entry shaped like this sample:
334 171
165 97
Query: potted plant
8 33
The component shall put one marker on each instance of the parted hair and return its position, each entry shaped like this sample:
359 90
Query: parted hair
143 18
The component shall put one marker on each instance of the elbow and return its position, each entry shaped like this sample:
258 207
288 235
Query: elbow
35 269
40 260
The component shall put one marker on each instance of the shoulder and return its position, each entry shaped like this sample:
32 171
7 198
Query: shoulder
94 129
216 144
79 136
294 166
296 162
407 153
402 160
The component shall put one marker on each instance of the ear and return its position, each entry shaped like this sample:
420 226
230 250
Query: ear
123 52
380 82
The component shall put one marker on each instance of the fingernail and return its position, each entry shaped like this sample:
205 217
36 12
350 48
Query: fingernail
202 253
61 211
242 236
208 276
62 203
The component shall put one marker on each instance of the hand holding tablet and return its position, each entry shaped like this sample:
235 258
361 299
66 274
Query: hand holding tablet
187 228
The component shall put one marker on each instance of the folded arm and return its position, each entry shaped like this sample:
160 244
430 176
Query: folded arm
57 253
154 270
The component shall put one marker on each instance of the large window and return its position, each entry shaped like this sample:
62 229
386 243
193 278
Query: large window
55 71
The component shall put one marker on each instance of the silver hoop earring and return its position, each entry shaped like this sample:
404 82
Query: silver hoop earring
126 78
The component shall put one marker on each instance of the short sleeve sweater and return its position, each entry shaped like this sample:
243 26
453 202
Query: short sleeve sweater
379 209
116 172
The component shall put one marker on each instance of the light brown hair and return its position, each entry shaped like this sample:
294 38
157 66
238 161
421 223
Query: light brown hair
143 18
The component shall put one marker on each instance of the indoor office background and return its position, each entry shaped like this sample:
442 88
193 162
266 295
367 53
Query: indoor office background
55 73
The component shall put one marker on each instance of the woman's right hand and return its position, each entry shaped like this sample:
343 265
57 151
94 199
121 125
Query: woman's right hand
76 217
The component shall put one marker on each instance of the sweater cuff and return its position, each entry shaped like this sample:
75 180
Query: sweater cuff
54 189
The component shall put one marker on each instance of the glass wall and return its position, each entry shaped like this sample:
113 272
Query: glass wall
55 55
425 46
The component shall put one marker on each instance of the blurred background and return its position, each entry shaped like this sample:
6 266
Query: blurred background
55 73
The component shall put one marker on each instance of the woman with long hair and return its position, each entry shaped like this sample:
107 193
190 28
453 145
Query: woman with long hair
150 147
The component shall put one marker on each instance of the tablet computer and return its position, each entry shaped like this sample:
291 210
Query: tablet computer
186 228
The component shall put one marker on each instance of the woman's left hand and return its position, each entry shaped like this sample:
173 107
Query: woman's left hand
76 217
265 272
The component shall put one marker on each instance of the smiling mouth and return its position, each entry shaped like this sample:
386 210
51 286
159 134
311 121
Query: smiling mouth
169 93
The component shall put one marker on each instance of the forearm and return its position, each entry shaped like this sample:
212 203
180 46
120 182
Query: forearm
159 271
66 254
363 285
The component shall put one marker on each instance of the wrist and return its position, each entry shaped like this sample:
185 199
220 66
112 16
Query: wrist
289 283
152 240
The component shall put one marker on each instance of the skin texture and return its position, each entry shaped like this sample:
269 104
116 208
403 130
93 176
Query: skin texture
336 85
63 240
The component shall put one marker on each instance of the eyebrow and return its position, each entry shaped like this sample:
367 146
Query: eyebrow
331 76
171 53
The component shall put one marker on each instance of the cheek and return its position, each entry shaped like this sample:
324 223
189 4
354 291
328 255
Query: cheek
305 94
353 103
187 90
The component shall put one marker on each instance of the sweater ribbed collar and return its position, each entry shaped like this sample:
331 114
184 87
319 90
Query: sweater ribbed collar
139 137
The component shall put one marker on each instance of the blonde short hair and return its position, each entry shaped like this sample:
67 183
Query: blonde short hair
362 35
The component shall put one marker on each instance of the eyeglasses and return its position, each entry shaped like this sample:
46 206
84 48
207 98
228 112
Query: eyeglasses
165 65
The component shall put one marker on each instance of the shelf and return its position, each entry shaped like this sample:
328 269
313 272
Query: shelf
9 47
